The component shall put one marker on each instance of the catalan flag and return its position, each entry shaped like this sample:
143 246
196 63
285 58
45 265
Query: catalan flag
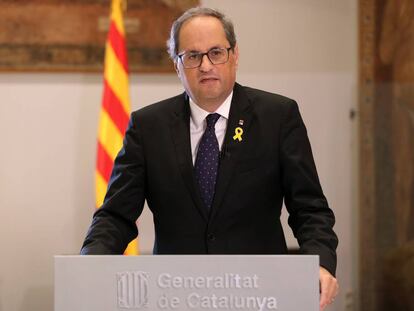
116 108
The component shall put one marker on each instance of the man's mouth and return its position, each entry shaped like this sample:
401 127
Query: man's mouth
208 80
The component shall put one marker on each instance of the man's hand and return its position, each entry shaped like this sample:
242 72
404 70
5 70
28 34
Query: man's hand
328 286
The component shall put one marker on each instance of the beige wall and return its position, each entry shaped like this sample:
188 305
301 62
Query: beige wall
306 50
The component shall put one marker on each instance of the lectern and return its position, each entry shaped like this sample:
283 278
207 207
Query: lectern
187 282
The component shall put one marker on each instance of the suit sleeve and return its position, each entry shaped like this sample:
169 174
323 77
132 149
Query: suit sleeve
114 223
310 217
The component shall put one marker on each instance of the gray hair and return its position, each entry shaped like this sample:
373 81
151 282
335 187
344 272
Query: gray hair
173 42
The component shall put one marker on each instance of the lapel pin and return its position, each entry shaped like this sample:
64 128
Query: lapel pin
241 122
238 134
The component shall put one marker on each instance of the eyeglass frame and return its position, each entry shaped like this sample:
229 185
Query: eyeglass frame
206 54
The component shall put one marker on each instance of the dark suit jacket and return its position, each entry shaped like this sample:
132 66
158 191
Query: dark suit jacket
272 162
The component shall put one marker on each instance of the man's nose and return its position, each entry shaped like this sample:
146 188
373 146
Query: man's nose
206 64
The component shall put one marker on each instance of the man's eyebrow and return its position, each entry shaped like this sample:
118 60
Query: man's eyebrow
211 48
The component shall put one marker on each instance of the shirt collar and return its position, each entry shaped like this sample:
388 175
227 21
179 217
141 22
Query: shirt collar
198 114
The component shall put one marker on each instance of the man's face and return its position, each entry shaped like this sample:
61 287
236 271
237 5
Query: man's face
208 85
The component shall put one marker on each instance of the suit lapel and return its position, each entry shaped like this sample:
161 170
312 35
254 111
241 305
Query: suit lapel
239 117
180 129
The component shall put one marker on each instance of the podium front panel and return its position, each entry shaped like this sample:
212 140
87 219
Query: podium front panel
187 282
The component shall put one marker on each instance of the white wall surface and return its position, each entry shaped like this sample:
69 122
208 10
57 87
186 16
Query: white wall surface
304 49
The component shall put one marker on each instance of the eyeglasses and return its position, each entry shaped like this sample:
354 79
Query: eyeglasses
216 56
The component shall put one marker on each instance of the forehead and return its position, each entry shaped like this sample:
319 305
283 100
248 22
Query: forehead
202 33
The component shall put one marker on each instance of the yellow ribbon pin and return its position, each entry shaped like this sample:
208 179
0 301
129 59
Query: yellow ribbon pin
239 132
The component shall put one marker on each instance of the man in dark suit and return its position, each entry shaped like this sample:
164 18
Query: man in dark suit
216 163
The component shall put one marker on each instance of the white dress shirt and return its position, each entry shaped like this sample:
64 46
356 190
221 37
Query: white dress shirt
198 123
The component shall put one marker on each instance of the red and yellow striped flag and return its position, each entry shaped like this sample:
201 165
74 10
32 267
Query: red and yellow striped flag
115 108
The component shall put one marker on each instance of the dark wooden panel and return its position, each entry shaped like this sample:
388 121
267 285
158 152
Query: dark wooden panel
386 151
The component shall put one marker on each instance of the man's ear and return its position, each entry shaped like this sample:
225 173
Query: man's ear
236 55
177 70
